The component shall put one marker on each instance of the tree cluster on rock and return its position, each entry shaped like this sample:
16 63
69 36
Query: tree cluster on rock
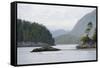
88 42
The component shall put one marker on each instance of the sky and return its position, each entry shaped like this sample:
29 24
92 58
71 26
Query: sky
53 17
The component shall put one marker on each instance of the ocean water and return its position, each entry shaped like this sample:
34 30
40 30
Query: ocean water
68 53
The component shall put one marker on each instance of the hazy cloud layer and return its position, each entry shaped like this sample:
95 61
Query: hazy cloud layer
53 17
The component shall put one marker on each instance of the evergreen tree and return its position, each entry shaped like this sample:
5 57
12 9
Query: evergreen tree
89 27
86 38
33 32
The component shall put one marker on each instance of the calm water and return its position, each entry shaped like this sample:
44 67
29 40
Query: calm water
68 53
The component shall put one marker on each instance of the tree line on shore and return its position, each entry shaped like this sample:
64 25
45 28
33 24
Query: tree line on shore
33 32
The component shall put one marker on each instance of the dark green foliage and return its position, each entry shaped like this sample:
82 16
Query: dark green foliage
33 32
89 27
94 36
84 39
87 42
19 31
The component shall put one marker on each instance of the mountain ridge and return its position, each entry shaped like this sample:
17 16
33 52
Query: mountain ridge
79 29
58 32
90 17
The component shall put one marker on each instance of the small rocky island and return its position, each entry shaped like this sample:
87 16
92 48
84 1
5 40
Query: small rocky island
88 41
46 48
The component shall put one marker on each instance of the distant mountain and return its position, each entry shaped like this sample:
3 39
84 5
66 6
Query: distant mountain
59 32
66 39
78 30
81 26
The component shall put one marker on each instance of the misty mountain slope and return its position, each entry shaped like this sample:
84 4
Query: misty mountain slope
78 30
59 32
81 26
66 39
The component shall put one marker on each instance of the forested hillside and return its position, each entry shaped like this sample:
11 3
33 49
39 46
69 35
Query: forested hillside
33 32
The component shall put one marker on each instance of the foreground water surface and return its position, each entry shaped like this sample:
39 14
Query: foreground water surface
68 53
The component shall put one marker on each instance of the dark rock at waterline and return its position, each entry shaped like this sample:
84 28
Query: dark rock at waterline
85 46
45 49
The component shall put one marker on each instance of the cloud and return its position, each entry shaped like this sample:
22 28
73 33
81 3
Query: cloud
53 17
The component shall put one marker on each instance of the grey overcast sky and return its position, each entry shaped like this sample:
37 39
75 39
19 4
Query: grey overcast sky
53 17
